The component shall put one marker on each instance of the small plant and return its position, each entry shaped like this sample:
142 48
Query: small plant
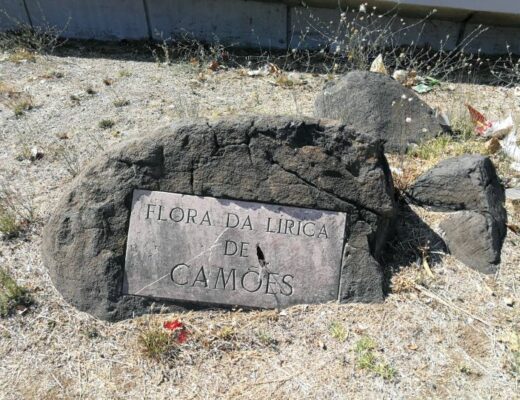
512 341
266 339
90 332
284 80
124 73
227 333
338 331
68 153
156 343
463 127
384 370
22 55
464 369
403 282
24 153
75 99
18 101
14 207
106 124
506 70
51 74
366 359
20 107
163 342
446 145
365 344
12 296
9 225
121 103
27 39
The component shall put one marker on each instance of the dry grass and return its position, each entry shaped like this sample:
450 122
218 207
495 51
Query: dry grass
121 103
447 146
443 337
22 55
106 124
12 296
9 224
18 101
158 344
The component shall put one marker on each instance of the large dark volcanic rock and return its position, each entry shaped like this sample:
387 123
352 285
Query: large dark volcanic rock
279 160
377 105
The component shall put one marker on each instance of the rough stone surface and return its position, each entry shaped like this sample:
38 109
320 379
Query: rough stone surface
373 103
467 183
279 160
475 239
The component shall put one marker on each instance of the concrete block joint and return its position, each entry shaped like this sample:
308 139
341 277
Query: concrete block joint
257 23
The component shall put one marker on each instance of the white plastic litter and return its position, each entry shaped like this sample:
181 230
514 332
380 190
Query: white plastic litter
400 75
500 128
378 65
504 131
511 149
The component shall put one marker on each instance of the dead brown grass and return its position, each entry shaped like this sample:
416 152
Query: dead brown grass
446 336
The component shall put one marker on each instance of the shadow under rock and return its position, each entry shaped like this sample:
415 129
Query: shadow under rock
411 237
188 50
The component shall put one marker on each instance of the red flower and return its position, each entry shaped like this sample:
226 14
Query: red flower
182 336
178 329
172 325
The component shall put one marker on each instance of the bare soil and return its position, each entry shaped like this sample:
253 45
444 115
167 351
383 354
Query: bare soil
450 335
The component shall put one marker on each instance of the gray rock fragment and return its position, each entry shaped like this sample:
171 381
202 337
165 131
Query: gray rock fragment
474 239
469 184
379 106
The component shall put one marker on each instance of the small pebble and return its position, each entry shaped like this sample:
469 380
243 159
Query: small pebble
508 301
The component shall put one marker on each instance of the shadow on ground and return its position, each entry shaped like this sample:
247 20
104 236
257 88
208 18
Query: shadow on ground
412 238
204 54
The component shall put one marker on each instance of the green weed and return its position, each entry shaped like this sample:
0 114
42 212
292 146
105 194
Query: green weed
121 103
157 344
447 146
12 295
366 359
9 225
338 331
20 107
106 124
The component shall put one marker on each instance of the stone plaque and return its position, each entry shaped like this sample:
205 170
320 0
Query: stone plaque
218 251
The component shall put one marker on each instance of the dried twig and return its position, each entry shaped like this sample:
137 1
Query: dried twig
449 304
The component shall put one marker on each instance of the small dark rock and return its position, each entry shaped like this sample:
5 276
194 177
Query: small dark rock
377 105
468 183
474 239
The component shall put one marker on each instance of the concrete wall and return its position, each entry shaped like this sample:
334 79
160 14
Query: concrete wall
248 23
495 6
454 10
265 24
12 13
91 19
